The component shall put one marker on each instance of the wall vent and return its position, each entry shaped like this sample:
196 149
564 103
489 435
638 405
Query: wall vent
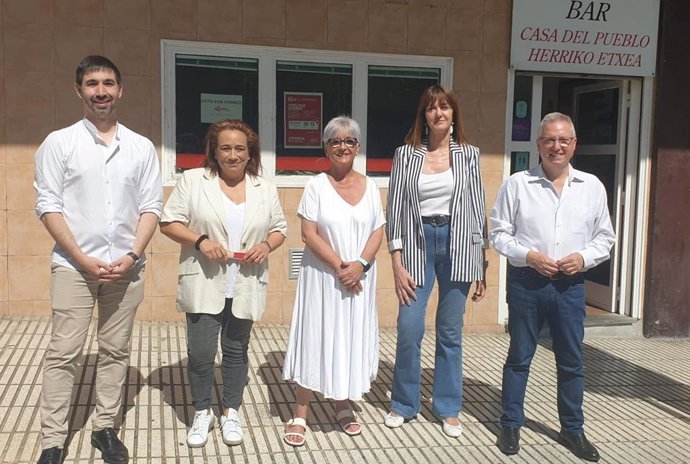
295 255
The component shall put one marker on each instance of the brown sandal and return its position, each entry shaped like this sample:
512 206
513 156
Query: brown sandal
348 414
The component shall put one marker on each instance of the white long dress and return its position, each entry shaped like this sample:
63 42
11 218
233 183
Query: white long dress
334 342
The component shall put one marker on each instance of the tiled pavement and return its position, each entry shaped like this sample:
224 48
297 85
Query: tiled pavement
637 404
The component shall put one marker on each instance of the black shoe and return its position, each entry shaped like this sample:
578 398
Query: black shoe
509 440
579 445
51 456
113 451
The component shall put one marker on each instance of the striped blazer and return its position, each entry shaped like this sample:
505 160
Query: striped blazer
467 209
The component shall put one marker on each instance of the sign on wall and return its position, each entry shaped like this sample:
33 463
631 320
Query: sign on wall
303 118
216 107
615 37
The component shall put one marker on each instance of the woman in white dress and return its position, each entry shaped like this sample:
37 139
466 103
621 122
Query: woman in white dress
333 344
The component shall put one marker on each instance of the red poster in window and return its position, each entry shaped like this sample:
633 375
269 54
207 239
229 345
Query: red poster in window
303 119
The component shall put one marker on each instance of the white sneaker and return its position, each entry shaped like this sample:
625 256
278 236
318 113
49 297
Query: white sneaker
198 434
230 428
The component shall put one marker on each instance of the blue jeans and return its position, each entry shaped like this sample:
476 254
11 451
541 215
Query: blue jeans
533 299
202 345
447 390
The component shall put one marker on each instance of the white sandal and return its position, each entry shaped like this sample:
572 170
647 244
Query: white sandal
298 421
348 414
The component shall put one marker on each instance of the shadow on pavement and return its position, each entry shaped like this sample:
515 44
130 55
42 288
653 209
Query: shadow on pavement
83 400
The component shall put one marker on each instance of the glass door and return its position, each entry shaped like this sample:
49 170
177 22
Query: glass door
598 111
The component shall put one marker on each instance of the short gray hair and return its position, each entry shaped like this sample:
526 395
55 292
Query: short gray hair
555 117
341 124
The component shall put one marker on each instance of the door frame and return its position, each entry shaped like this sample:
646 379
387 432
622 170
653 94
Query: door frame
632 241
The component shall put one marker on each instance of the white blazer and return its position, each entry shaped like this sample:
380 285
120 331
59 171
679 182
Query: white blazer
197 202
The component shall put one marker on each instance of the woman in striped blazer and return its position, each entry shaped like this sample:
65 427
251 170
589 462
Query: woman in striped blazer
436 223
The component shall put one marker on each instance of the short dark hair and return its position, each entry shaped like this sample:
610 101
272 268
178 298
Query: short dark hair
441 94
211 144
96 63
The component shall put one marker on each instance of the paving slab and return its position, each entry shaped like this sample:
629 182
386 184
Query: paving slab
637 403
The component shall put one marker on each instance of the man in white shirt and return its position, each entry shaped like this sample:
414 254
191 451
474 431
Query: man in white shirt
99 194
552 223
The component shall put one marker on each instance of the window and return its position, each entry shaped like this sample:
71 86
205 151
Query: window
210 89
308 95
522 109
393 94
287 96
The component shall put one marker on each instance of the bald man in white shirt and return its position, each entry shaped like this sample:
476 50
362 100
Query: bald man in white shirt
99 194
552 223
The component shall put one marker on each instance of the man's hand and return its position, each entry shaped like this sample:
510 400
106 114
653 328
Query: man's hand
98 269
119 267
542 263
571 264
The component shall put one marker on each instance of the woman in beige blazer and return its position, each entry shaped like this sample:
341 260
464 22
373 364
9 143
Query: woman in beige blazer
227 219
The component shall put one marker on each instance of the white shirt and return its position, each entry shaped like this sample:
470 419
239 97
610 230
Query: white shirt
100 190
530 216
234 214
435 192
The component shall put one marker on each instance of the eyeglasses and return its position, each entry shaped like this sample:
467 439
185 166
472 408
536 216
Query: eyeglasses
563 142
349 142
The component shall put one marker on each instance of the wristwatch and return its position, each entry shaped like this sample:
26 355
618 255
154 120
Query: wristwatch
364 263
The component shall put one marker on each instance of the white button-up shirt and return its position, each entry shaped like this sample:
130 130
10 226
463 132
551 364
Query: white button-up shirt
100 190
529 215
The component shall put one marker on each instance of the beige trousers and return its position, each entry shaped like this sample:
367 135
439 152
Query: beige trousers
74 295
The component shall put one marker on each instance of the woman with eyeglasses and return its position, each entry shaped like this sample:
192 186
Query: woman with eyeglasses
436 227
227 220
333 343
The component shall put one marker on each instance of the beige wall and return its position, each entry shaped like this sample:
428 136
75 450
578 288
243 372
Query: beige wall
43 40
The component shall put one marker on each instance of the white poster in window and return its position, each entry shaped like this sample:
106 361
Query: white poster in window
216 107
614 37
303 119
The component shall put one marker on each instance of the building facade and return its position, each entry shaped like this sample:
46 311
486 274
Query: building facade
286 67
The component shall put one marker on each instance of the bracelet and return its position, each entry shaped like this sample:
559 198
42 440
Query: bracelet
133 255
364 263
270 248
201 238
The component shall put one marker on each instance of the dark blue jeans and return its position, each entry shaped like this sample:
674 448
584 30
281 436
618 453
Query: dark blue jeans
202 346
533 299
452 296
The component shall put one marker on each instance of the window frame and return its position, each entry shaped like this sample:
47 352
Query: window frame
267 58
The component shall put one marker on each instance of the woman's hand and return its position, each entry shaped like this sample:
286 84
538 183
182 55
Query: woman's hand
404 285
350 273
356 288
479 290
257 254
213 250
